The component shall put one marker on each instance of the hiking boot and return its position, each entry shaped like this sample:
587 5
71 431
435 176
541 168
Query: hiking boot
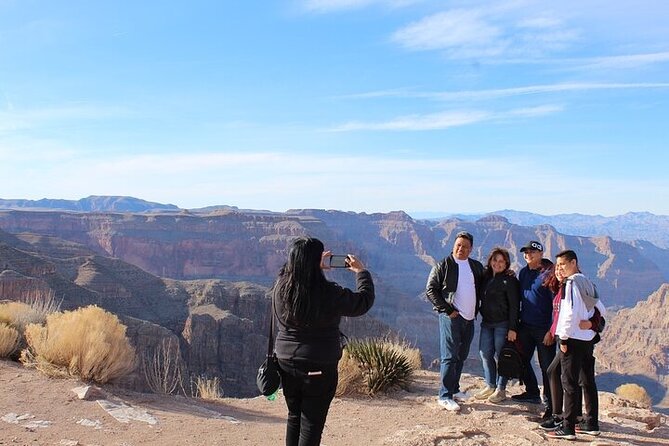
527 398
448 404
561 432
498 396
485 393
587 428
552 424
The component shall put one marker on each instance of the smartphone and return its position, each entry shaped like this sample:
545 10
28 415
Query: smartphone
338 261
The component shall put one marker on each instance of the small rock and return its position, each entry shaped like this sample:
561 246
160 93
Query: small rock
89 393
69 442
90 423
651 419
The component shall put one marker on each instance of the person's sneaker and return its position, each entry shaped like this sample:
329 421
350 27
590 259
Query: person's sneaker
485 393
548 414
586 428
561 432
526 398
460 396
498 396
448 404
552 424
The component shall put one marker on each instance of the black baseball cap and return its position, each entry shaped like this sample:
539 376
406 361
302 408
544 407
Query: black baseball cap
532 245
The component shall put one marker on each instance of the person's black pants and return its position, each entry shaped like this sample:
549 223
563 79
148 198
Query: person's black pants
532 338
308 388
578 371
554 373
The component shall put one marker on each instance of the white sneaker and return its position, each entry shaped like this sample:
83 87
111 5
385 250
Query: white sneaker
448 404
498 396
461 396
484 393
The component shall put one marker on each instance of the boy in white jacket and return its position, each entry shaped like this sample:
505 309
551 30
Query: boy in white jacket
576 348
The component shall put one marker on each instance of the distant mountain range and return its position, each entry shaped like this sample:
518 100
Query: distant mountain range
631 226
89 204
627 227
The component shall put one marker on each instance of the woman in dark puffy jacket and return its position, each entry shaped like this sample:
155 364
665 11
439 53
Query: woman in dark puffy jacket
308 308
499 309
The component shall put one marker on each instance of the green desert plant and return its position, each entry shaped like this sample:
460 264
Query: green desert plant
634 392
88 342
383 366
9 340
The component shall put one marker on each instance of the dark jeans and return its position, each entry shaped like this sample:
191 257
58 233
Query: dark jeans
578 371
308 395
455 338
532 338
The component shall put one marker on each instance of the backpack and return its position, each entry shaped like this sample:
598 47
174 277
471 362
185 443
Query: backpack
510 363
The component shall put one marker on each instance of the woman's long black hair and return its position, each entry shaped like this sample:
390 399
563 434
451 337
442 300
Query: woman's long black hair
301 282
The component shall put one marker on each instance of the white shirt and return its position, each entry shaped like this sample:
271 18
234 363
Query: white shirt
465 294
573 311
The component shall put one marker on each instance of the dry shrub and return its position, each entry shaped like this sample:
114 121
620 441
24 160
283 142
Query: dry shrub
9 340
17 314
33 310
163 368
88 342
208 388
350 375
634 392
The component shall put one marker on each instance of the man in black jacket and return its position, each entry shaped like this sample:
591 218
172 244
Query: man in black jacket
454 287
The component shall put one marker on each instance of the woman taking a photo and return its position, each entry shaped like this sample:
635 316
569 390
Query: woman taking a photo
500 305
309 308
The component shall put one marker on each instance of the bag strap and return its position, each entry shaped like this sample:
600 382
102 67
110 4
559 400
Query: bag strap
270 336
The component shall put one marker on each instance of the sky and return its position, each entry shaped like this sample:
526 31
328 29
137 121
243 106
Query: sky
356 105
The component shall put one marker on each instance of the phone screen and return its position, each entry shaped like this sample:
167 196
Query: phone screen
338 261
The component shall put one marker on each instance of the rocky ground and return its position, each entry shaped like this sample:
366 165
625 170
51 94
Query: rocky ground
36 410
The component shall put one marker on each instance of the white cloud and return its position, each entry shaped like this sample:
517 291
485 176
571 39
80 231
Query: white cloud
13 118
364 183
627 61
452 30
445 120
434 121
325 6
498 93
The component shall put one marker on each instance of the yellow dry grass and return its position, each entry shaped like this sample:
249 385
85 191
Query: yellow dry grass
88 342
350 375
9 340
208 389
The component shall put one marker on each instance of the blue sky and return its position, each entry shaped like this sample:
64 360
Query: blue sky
360 105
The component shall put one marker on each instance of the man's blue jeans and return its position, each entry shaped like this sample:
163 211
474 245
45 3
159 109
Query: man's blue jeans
455 338
491 342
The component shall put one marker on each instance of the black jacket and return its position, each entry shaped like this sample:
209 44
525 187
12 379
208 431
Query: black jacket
320 342
443 281
501 300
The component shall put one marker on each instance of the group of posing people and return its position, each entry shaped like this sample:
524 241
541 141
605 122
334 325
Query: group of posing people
547 305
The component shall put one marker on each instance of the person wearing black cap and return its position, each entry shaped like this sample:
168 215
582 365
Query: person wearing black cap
536 308
454 287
